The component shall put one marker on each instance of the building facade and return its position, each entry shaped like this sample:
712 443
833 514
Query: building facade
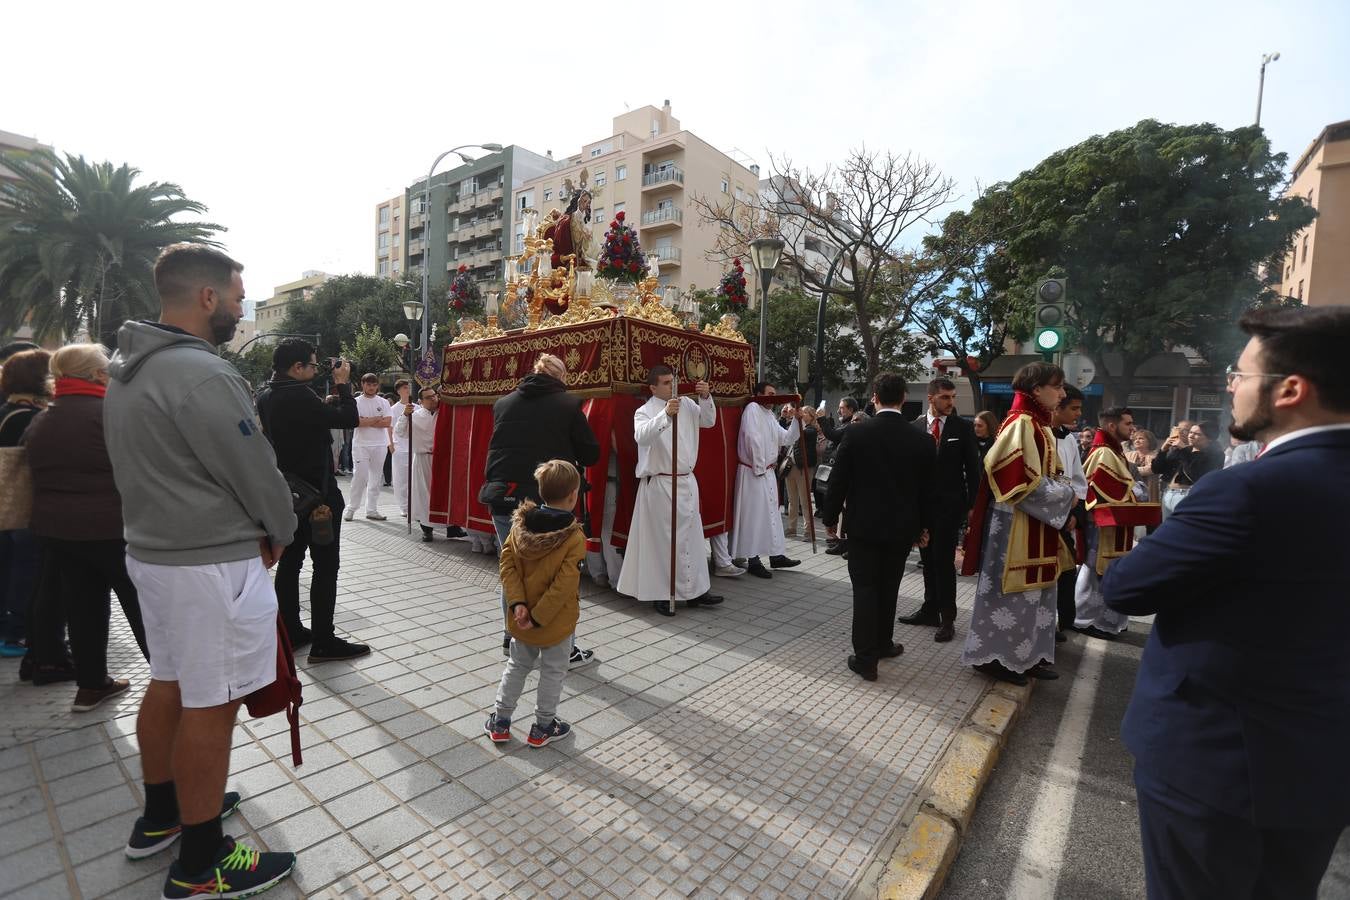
17 143
465 220
269 313
1317 270
650 168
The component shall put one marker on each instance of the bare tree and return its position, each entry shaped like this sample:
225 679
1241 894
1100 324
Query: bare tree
860 210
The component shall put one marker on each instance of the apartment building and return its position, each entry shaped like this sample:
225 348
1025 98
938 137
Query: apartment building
269 313
1317 270
650 168
465 220
389 231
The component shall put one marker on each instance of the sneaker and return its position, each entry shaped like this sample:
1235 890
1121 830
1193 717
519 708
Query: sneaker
13 649
728 571
497 728
87 699
349 514
580 658
238 871
335 649
540 735
376 517
148 838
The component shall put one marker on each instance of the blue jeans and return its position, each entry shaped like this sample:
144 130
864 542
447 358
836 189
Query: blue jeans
18 571
502 523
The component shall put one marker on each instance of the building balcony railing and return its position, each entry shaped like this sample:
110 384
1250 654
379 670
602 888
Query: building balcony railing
482 197
417 220
672 177
416 247
667 255
665 216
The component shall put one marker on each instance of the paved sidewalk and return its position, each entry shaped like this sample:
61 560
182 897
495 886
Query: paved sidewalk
726 752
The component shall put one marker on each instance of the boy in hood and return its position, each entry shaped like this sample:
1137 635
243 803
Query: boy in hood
541 576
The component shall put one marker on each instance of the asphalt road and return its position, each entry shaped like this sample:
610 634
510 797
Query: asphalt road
1058 818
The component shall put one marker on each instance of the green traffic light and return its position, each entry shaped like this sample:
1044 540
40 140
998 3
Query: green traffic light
1048 339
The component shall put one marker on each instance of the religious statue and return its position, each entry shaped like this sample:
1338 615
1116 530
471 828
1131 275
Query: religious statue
571 232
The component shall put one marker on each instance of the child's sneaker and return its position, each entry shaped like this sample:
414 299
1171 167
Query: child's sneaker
555 731
238 871
499 729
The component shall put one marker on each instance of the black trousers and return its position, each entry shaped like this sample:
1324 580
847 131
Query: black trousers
1066 605
939 566
322 581
80 575
875 570
1193 852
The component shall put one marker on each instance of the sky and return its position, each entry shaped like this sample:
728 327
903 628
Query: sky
292 120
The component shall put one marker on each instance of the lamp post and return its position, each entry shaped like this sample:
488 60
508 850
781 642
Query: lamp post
764 254
426 206
1266 59
412 311
818 383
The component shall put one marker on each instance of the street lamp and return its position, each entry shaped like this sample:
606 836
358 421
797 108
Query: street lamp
426 207
1266 59
764 255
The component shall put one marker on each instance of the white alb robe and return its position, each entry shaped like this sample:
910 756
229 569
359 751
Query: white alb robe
423 437
756 528
646 562
399 464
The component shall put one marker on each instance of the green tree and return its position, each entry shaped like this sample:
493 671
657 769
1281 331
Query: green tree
78 243
341 305
369 351
1160 230
255 363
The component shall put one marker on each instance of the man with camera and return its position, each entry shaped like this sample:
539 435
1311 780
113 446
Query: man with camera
298 424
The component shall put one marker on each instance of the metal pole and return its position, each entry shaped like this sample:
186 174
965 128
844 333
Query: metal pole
818 382
1260 90
764 279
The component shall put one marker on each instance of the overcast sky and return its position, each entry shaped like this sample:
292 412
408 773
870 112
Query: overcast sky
291 120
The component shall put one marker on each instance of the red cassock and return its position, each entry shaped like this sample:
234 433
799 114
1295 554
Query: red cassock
607 363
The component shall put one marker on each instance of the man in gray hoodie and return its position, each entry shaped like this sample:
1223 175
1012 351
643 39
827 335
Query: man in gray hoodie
206 514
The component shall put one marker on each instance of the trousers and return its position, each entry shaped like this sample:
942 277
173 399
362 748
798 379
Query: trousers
552 663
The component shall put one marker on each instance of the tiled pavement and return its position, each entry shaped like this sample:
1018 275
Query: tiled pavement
723 753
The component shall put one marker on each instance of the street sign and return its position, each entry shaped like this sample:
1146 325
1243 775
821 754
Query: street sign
1078 369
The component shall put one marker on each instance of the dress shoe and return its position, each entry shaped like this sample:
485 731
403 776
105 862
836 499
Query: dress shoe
757 569
707 598
868 673
1060 637
335 649
1093 631
920 618
663 607
896 650
454 532
1042 672
1000 672
426 535
299 636
782 562
839 549
944 633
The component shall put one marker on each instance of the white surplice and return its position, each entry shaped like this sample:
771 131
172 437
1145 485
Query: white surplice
646 562
423 437
756 528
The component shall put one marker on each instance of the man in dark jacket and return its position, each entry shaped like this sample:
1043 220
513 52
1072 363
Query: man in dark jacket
536 422
884 471
298 424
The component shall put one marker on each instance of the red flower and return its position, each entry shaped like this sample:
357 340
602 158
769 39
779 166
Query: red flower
463 268
619 215
614 224
632 267
628 239
736 261
457 303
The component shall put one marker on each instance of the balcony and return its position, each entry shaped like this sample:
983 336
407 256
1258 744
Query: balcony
485 196
470 231
672 177
415 247
660 218
669 256
417 220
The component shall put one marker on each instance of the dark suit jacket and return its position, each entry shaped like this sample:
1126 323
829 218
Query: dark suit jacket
1243 694
958 464
883 470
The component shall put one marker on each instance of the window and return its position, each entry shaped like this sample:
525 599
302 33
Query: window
548 194
618 207
726 185
597 151
395 224
740 194
597 213
1305 248
396 267
620 173
384 267
384 240
666 204
384 215
599 178
1300 289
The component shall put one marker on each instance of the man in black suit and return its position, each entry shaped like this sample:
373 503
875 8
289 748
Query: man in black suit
1240 720
884 472
958 478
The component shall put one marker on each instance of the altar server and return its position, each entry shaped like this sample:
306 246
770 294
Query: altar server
422 418
756 528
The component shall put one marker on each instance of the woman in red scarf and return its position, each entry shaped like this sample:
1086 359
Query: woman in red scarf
77 516
1013 541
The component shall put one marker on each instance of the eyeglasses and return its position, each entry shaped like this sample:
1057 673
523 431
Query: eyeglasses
1233 376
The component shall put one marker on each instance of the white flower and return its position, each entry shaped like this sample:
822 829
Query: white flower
1003 618
973 642
1023 650
1044 617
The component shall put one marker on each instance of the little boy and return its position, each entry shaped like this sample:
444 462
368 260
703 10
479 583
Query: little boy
541 575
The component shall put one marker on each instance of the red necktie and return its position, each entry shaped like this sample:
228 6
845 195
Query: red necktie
937 432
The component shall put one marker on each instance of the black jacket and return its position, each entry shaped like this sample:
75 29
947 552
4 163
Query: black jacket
795 451
884 471
536 422
959 468
833 433
1187 465
297 423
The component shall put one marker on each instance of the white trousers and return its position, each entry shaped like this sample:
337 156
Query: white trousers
367 475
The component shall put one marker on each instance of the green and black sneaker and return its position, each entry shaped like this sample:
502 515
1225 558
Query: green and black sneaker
148 838
238 871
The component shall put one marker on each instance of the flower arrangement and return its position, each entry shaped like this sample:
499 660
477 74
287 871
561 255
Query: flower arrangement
621 257
732 287
463 290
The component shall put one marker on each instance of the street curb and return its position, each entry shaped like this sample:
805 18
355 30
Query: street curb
928 843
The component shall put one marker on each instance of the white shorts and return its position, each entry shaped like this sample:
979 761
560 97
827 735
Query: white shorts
211 628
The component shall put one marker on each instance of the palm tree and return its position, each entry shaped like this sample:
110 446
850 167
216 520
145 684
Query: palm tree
78 243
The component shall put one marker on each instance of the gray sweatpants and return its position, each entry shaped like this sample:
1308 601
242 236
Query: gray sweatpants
552 662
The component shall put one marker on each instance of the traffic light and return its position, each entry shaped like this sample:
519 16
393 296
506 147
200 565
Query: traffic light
1050 317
